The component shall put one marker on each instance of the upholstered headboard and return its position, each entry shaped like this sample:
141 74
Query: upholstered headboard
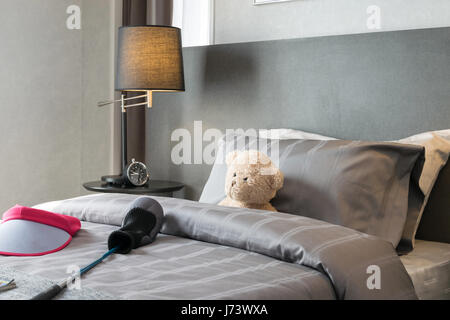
373 86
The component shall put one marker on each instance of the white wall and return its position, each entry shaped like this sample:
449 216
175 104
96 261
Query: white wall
194 17
241 21
52 136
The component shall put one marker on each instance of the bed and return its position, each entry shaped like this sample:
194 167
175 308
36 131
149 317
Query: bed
429 268
206 251
187 262
199 258
327 248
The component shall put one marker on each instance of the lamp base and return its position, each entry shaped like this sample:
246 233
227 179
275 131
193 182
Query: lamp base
115 180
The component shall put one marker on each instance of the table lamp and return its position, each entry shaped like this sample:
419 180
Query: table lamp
149 59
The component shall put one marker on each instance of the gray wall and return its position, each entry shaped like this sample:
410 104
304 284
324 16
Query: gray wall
100 152
52 137
241 21
371 86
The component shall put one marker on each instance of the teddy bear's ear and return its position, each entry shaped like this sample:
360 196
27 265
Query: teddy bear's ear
231 156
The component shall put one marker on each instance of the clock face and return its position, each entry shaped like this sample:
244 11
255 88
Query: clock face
137 174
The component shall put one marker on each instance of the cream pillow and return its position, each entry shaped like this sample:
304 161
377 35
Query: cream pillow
437 150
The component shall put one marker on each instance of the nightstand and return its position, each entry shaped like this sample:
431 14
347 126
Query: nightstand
153 187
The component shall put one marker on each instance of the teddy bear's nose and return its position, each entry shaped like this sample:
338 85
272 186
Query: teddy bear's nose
233 183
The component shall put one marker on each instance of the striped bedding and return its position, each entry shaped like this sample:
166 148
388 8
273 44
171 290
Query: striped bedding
210 252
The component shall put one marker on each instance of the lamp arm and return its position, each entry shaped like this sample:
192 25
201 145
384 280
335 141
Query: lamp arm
147 95
106 103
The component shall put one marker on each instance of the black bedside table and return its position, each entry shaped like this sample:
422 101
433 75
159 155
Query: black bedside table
153 187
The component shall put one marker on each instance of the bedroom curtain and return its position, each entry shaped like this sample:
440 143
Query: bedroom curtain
142 12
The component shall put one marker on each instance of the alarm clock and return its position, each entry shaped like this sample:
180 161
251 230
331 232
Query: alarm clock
137 173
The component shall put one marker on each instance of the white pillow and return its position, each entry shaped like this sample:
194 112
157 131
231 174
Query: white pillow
418 138
285 134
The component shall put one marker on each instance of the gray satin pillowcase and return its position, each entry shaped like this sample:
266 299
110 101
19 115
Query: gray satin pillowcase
367 186
437 152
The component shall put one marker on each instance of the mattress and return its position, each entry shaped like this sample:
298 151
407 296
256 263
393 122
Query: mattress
429 268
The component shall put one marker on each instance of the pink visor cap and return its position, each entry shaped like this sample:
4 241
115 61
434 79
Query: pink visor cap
32 232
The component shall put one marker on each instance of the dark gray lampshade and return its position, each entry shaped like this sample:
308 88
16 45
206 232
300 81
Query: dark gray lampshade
150 58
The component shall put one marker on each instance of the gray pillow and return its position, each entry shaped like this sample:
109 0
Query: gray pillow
366 186
437 152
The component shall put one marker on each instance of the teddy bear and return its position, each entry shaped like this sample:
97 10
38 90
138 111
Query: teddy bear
252 180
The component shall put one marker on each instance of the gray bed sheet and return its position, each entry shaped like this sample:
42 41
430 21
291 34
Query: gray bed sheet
212 252
176 268
429 267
